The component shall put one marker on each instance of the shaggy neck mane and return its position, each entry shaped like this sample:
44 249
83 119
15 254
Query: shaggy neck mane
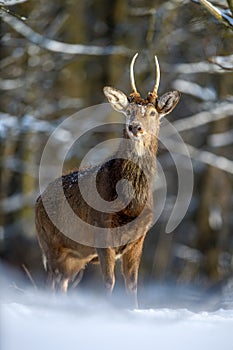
136 162
137 170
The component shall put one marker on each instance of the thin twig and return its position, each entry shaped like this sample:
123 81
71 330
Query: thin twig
222 61
30 277
14 285
6 10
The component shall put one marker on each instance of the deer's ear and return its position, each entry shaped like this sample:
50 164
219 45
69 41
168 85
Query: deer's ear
167 102
116 98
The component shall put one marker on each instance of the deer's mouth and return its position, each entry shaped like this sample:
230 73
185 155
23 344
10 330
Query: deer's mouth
134 134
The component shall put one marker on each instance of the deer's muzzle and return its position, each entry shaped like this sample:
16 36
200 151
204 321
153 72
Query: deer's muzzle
135 129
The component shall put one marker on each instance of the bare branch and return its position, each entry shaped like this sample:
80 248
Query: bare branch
218 64
202 156
16 202
57 46
194 89
12 2
221 139
230 4
217 13
28 273
209 158
141 11
192 68
225 62
4 10
219 111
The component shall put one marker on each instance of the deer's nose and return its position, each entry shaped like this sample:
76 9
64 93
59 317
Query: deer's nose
135 128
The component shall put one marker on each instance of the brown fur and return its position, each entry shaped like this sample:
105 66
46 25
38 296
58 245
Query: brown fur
65 259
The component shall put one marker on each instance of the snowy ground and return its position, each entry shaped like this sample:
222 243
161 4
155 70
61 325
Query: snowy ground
32 320
42 322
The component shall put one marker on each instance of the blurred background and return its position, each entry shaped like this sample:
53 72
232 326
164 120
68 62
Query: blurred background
55 59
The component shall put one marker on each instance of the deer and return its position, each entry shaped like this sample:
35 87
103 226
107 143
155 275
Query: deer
65 258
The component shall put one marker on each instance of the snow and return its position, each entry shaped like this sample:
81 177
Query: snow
35 320
84 319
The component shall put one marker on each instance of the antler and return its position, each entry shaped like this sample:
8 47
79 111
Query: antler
157 78
152 96
132 80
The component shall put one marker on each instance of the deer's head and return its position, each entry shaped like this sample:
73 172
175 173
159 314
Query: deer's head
142 115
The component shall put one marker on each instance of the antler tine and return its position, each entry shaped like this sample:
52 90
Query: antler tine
132 80
157 78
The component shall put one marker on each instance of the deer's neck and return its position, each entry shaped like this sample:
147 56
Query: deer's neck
137 159
136 170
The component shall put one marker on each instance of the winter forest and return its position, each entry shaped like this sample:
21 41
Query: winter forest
56 57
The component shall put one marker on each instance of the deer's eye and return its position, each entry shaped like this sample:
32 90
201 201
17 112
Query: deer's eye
152 113
128 113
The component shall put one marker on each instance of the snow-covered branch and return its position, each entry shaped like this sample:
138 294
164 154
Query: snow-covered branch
57 46
219 111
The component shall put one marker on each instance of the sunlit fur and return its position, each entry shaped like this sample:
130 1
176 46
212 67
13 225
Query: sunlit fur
65 258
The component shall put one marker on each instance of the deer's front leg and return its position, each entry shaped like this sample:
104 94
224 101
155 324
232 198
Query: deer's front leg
107 263
130 263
